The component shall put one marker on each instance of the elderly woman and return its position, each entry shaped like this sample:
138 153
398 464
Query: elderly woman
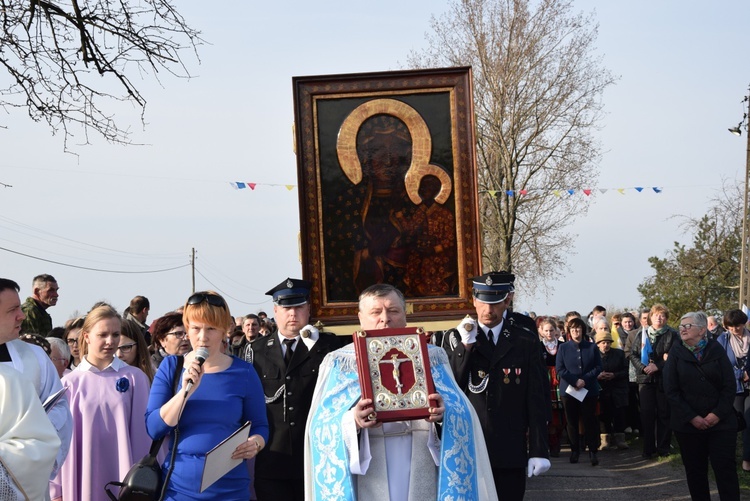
578 364
60 355
735 342
648 352
218 395
700 385
168 337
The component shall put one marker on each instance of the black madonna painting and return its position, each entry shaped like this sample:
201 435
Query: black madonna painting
388 189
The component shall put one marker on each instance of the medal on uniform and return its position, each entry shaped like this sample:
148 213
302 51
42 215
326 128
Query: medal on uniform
518 375
506 379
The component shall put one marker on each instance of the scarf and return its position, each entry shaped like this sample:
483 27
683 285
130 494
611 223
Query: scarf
550 346
646 348
739 344
698 349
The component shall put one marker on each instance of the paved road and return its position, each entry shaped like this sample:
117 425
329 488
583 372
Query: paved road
621 475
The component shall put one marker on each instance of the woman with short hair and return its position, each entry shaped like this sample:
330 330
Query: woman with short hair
578 364
218 394
168 337
700 385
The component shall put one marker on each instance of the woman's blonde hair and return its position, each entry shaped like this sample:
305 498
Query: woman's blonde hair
98 313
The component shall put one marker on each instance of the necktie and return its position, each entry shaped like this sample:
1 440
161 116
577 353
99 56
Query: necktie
289 352
491 338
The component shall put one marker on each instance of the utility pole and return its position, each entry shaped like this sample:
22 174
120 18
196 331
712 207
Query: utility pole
192 265
745 249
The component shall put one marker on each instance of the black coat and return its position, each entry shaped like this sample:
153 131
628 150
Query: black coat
661 346
691 392
614 361
508 411
578 361
288 397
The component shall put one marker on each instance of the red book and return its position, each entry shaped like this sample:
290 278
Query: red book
394 371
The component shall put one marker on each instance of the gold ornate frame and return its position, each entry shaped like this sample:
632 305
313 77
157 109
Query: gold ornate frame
436 108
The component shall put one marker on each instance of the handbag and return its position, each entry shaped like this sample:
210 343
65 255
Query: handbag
143 482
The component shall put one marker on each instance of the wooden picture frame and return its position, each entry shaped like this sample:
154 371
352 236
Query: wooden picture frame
388 190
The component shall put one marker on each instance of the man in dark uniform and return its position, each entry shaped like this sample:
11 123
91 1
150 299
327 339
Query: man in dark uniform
287 363
497 362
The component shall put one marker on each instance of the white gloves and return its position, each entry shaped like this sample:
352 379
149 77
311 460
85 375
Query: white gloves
309 335
537 466
468 330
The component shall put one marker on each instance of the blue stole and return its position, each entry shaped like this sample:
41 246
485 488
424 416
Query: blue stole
332 479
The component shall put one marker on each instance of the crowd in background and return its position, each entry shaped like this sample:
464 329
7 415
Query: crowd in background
642 377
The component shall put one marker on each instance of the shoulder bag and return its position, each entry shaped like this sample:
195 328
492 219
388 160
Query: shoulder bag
143 482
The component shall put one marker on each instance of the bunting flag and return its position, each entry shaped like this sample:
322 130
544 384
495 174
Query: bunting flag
241 185
572 191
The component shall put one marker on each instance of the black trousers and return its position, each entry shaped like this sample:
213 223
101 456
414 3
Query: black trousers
656 433
612 418
586 412
718 447
510 483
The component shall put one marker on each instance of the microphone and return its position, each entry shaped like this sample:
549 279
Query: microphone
201 354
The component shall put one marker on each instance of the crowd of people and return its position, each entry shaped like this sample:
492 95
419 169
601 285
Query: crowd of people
518 386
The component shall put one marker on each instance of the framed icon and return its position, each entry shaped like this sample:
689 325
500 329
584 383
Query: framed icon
388 190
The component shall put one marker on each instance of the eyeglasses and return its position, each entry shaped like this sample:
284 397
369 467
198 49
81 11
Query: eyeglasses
177 334
71 340
684 327
212 299
126 348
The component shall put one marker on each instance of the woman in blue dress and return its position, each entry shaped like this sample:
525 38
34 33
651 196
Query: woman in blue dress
224 394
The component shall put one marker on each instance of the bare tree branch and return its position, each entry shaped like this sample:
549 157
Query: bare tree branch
56 53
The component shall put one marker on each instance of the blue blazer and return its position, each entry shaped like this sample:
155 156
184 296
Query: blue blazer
572 365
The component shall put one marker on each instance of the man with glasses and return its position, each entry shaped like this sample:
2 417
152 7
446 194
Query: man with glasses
497 362
43 296
287 363
33 363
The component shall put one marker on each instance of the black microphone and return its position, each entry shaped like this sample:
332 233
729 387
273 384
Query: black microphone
201 354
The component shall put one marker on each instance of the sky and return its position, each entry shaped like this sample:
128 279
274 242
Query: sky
142 208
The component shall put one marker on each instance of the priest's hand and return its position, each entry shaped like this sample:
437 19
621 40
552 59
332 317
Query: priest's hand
436 413
364 414
537 466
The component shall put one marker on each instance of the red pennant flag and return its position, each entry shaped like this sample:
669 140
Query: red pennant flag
523 192
251 185
587 192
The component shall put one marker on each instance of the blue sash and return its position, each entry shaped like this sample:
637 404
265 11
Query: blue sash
332 479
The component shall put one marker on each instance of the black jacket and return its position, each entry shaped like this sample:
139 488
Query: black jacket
614 361
661 347
514 403
288 393
691 392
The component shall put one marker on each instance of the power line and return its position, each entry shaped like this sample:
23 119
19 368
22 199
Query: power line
92 269
224 293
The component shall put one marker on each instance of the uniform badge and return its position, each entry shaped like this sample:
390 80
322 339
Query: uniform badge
488 281
506 379
289 284
482 374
